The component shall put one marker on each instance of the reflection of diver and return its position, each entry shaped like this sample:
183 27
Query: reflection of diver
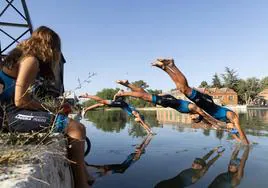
235 172
102 170
192 175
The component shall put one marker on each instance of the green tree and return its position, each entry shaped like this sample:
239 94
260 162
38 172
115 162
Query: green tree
108 121
248 89
107 93
204 84
216 82
230 78
141 83
89 103
264 83
154 91
241 89
253 87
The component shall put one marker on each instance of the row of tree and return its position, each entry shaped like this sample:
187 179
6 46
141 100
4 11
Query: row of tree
247 89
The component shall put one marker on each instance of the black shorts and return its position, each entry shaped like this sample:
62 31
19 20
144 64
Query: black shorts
21 120
118 103
170 101
202 100
165 101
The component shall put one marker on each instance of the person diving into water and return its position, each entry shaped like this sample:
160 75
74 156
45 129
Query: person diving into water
204 101
191 175
118 102
197 114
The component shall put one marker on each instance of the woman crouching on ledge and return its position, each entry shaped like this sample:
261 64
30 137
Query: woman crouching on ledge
39 55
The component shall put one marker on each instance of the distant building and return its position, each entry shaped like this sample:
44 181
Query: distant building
264 94
262 98
221 96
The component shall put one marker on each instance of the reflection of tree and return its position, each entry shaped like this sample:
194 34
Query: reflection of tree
180 128
115 120
253 123
150 118
206 132
108 121
219 134
135 129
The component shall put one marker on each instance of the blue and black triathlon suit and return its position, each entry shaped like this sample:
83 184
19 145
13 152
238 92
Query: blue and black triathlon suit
169 101
224 180
184 179
22 120
120 103
206 102
121 168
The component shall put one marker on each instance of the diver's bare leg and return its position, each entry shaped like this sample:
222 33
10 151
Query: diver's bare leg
176 75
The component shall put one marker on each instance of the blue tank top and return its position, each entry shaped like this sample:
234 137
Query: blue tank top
8 83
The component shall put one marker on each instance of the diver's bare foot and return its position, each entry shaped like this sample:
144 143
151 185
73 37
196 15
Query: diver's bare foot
122 82
163 63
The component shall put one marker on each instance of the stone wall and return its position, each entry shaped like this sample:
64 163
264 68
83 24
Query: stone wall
46 167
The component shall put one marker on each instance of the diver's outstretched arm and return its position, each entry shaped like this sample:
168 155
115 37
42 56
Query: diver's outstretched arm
235 120
141 122
92 107
96 98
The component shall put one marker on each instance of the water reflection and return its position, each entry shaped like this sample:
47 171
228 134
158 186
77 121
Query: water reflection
116 120
108 121
235 172
191 175
259 114
255 122
99 171
164 165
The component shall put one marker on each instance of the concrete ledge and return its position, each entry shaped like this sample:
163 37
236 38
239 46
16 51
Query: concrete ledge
46 166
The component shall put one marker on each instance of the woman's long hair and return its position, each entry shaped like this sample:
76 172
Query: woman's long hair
44 44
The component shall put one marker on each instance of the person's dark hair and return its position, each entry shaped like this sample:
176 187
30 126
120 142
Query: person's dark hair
200 161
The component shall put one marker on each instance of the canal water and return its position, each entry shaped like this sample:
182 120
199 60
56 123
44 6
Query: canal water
179 155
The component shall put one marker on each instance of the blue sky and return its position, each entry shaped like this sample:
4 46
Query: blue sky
119 39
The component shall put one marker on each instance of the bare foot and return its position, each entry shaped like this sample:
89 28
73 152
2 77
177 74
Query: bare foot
122 82
163 63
